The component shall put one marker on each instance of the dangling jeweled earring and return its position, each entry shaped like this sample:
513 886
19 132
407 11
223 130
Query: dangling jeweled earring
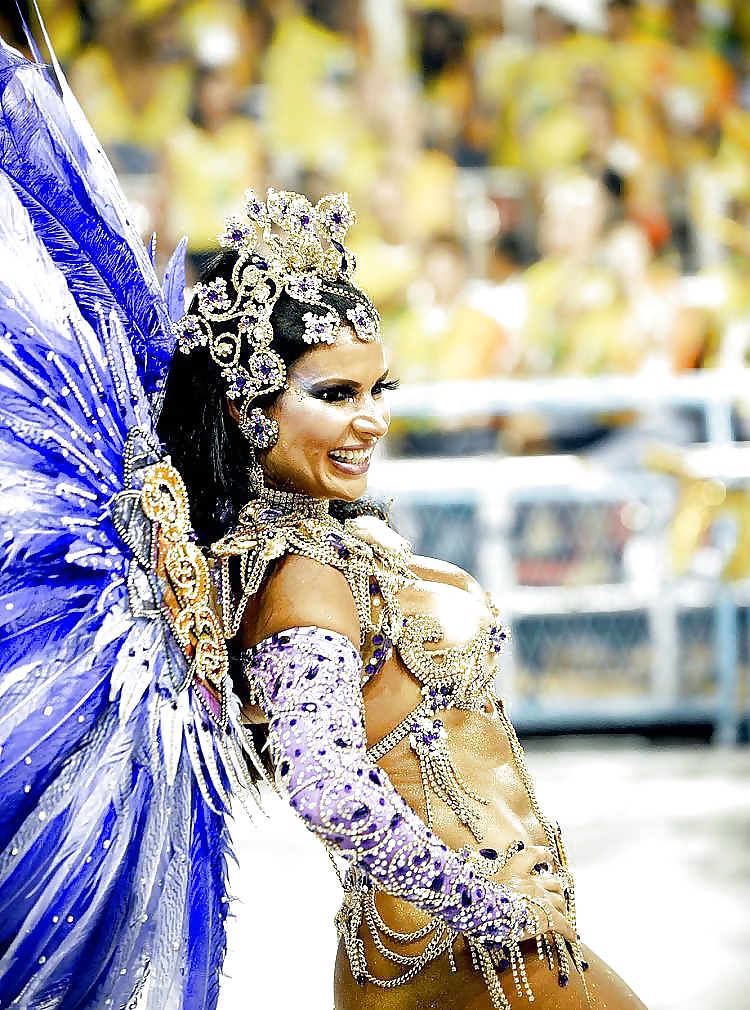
255 482
261 432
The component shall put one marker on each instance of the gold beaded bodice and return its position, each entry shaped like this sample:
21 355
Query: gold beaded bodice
376 564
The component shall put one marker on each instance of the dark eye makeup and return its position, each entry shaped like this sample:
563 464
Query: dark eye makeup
338 392
335 393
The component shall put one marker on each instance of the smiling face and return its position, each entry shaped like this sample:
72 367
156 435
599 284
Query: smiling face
330 418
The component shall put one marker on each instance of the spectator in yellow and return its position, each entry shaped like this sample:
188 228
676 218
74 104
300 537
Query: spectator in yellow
453 120
700 85
656 328
442 334
134 85
387 256
224 32
208 163
571 298
635 60
313 111
533 124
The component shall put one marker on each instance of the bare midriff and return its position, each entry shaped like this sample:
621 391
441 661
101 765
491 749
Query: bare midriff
482 752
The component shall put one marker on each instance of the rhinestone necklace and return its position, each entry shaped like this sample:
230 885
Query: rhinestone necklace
293 503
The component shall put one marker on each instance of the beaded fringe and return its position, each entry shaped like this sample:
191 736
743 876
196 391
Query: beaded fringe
359 909
551 947
440 775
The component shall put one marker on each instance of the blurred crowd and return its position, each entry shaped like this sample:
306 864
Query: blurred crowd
535 196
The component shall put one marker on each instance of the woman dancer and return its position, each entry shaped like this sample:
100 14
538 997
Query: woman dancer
373 669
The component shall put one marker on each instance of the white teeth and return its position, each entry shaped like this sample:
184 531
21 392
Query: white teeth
351 455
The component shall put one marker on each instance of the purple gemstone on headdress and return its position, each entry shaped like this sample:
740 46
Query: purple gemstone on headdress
189 333
239 383
302 215
235 233
335 213
264 365
277 204
320 328
365 323
247 324
214 295
254 207
304 287
268 368
260 430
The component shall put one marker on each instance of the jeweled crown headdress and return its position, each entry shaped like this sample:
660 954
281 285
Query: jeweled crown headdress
284 245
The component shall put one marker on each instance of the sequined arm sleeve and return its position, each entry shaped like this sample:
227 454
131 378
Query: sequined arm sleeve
308 682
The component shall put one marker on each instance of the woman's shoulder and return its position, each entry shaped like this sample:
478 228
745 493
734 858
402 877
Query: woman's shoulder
299 591
278 571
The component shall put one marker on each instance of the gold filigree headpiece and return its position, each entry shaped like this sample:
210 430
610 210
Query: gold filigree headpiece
288 245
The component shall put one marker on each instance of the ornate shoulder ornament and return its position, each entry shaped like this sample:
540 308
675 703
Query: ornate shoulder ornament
277 524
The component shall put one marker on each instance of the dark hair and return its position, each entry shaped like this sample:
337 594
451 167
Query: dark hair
195 425
442 39
210 452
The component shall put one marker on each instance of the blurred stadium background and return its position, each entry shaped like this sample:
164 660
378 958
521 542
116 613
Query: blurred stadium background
554 220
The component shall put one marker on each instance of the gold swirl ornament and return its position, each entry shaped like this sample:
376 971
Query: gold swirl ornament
184 567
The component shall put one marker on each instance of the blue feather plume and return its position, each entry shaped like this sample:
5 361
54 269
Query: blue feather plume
114 792
61 176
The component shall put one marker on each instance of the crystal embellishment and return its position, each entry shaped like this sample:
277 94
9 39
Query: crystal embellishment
285 244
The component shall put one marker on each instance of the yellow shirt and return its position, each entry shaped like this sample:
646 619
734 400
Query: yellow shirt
455 342
206 176
109 107
311 108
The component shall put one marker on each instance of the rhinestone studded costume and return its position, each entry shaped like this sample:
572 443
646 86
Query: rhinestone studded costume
309 683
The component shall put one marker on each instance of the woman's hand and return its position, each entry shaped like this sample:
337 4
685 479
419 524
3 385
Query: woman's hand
527 873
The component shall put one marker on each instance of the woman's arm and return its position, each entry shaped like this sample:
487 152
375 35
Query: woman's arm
307 680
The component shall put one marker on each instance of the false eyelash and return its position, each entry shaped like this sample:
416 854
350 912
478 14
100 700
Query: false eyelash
389 384
333 394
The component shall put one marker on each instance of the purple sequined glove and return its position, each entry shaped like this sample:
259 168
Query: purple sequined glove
308 682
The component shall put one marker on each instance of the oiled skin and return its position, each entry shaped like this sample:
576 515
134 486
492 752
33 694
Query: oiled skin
438 988
481 751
